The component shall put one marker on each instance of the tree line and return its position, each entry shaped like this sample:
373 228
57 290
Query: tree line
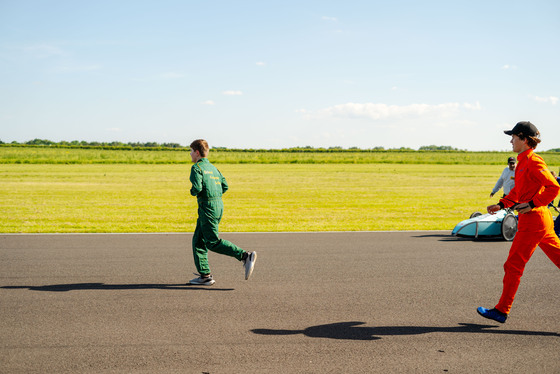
76 143
176 146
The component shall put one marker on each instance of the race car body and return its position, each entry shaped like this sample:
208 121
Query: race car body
503 225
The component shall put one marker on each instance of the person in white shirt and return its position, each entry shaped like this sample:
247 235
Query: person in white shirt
507 179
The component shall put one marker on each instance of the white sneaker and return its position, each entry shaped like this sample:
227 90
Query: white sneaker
249 263
200 281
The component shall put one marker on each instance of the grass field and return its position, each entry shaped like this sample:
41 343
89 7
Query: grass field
86 190
45 155
262 197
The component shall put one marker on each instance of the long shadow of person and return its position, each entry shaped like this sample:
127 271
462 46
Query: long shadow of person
353 331
103 286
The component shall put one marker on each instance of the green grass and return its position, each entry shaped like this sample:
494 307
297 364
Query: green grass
96 190
46 155
262 197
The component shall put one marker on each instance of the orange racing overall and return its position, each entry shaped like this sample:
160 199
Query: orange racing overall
534 184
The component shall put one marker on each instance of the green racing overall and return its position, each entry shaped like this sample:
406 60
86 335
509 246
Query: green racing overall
208 185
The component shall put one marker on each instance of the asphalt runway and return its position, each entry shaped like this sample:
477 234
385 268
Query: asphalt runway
361 302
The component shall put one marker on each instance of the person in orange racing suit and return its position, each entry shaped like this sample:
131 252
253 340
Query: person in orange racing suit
535 188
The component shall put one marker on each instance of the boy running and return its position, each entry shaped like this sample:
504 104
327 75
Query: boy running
535 187
208 185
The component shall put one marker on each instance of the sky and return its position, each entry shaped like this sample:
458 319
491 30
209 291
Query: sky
280 74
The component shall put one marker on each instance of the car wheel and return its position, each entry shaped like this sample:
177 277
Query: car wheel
509 227
475 214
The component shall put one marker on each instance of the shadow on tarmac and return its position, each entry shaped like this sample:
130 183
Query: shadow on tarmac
352 331
451 238
103 286
433 236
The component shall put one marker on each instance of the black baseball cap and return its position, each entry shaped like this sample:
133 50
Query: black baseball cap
511 160
525 127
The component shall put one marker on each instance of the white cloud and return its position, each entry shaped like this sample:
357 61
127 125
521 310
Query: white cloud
331 19
232 93
377 111
209 102
551 99
260 63
509 67
114 129
475 106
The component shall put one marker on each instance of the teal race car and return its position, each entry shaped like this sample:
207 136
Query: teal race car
502 225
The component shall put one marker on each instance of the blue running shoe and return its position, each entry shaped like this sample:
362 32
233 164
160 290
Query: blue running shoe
493 314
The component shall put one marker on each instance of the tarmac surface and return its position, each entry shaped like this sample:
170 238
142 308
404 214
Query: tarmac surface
349 302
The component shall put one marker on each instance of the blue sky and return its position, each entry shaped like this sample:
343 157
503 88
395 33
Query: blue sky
274 74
